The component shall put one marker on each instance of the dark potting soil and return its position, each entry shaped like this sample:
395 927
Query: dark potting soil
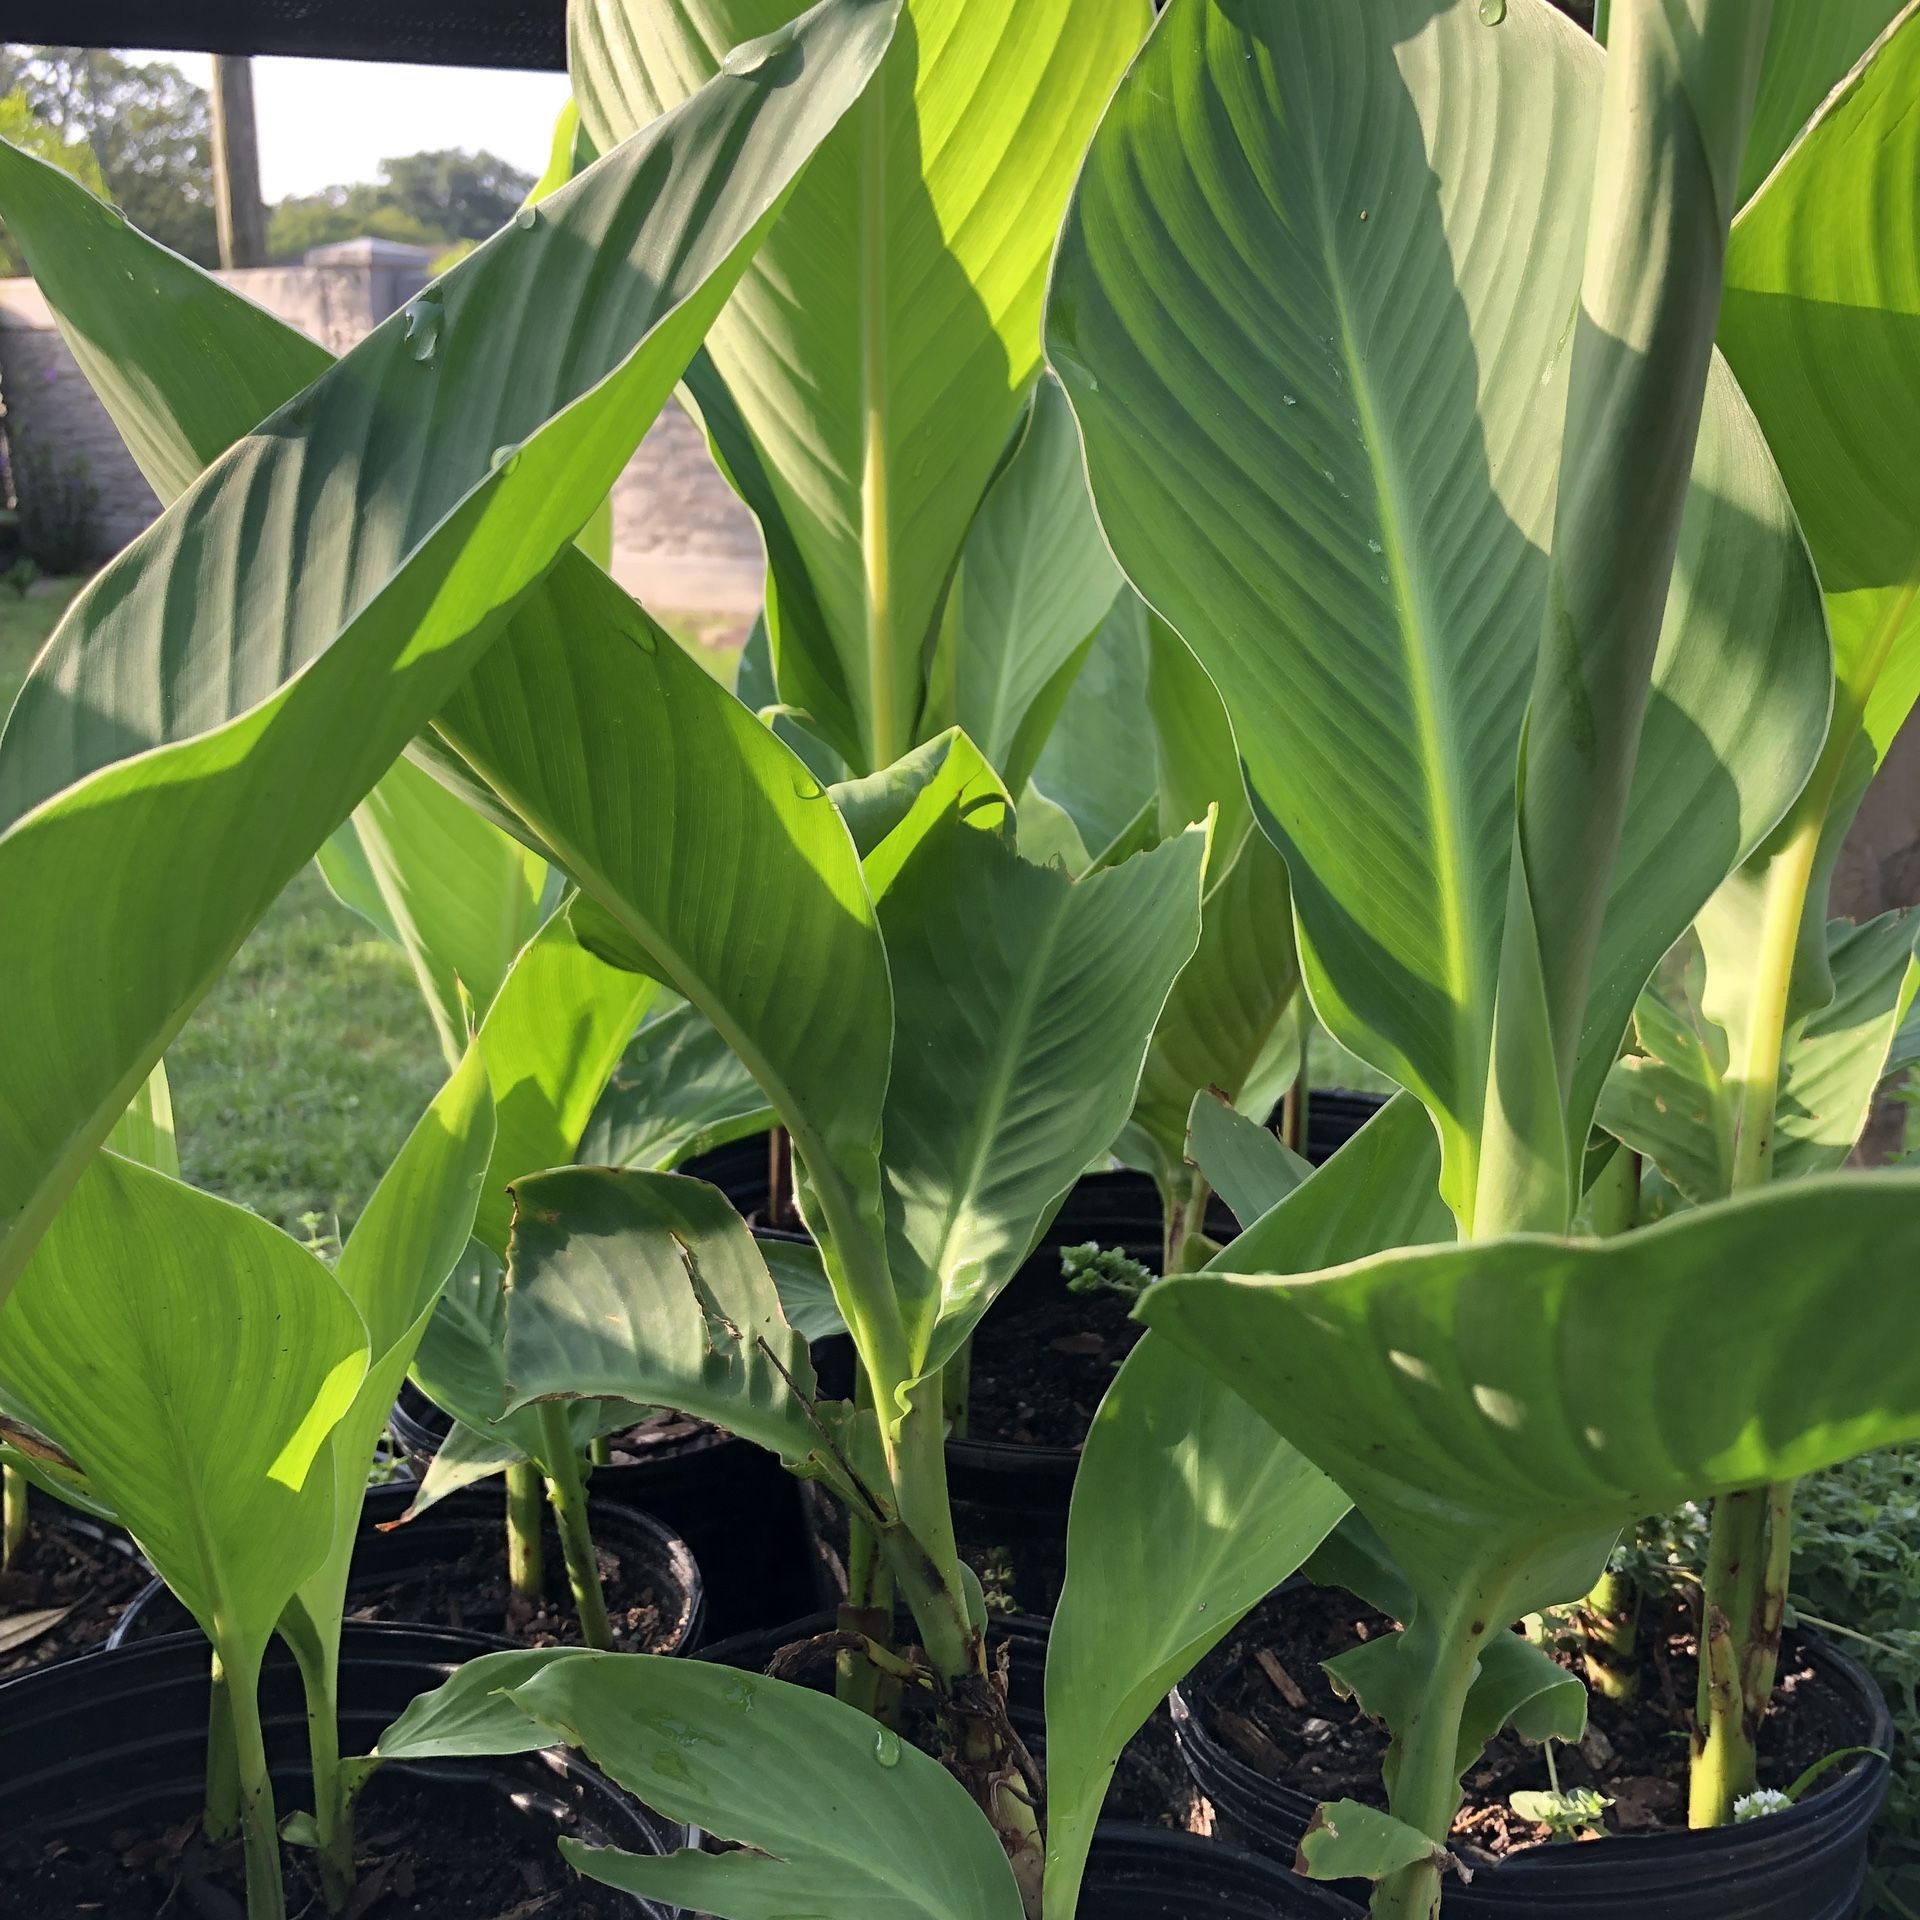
1039 1374
1151 1785
1268 1700
426 1852
474 1591
64 1594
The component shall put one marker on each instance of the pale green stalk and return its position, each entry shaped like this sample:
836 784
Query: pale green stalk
567 1490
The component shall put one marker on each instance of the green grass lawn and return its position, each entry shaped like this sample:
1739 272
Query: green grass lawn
299 1075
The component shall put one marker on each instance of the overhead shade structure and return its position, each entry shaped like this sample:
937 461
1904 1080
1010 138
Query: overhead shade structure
459 33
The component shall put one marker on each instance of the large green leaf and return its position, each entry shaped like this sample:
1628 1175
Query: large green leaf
459 896
396 1260
550 1039
1188 1509
460 1363
1023 1006
1822 324
1225 1027
313 597
193 1360
1363 227
648 1287
679 1090
1035 579
721 861
832 1814
1097 761
881 350
145 1131
1810 46
1481 1403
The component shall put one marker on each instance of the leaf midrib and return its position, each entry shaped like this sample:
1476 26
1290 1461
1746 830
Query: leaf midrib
1424 678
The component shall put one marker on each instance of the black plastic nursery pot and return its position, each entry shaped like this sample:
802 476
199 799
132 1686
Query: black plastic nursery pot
733 1503
117 1744
651 1556
1140 1873
1809 1863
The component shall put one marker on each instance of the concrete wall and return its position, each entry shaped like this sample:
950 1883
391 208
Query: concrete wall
682 543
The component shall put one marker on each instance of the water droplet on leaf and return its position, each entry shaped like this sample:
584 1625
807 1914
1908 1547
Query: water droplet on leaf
504 459
527 219
1374 546
886 1747
423 325
751 55
806 787
1287 400
1493 11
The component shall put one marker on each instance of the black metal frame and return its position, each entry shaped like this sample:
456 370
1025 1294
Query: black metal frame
458 33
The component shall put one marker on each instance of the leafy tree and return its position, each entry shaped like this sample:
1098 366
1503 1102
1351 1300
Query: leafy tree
150 130
430 199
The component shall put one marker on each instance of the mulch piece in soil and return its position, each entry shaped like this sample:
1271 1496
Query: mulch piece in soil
1268 1700
64 1594
474 1591
1039 1373
427 1851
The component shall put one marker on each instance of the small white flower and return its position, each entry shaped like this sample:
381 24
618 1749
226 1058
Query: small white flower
1757 1805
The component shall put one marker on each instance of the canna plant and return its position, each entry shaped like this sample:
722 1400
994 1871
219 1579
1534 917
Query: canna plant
143 1304
1757 1055
1515 695
989 1013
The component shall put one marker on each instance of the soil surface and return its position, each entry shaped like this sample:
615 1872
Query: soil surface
78 1587
473 1591
1263 1695
1039 1374
426 1852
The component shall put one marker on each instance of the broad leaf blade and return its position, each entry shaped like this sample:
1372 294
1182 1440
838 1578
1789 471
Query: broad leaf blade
398 580
1024 1003
1035 580
550 1040
1249 1166
832 1814
143 1306
1350 533
881 351
1822 324
1471 1396
396 1260
647 1287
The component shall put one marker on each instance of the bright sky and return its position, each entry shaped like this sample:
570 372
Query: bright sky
328 121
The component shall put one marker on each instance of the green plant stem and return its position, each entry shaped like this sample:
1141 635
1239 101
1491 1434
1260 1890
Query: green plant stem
525 1571
956 1389
1187 1246
567 1490
15 1532
319 1664
926 1565
222 1819
259 1829
1602 15
868 1608
1609 1629
1750 1542
1425 1763
600 1452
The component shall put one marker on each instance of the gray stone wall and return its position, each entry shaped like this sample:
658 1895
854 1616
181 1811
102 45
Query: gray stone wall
682 543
